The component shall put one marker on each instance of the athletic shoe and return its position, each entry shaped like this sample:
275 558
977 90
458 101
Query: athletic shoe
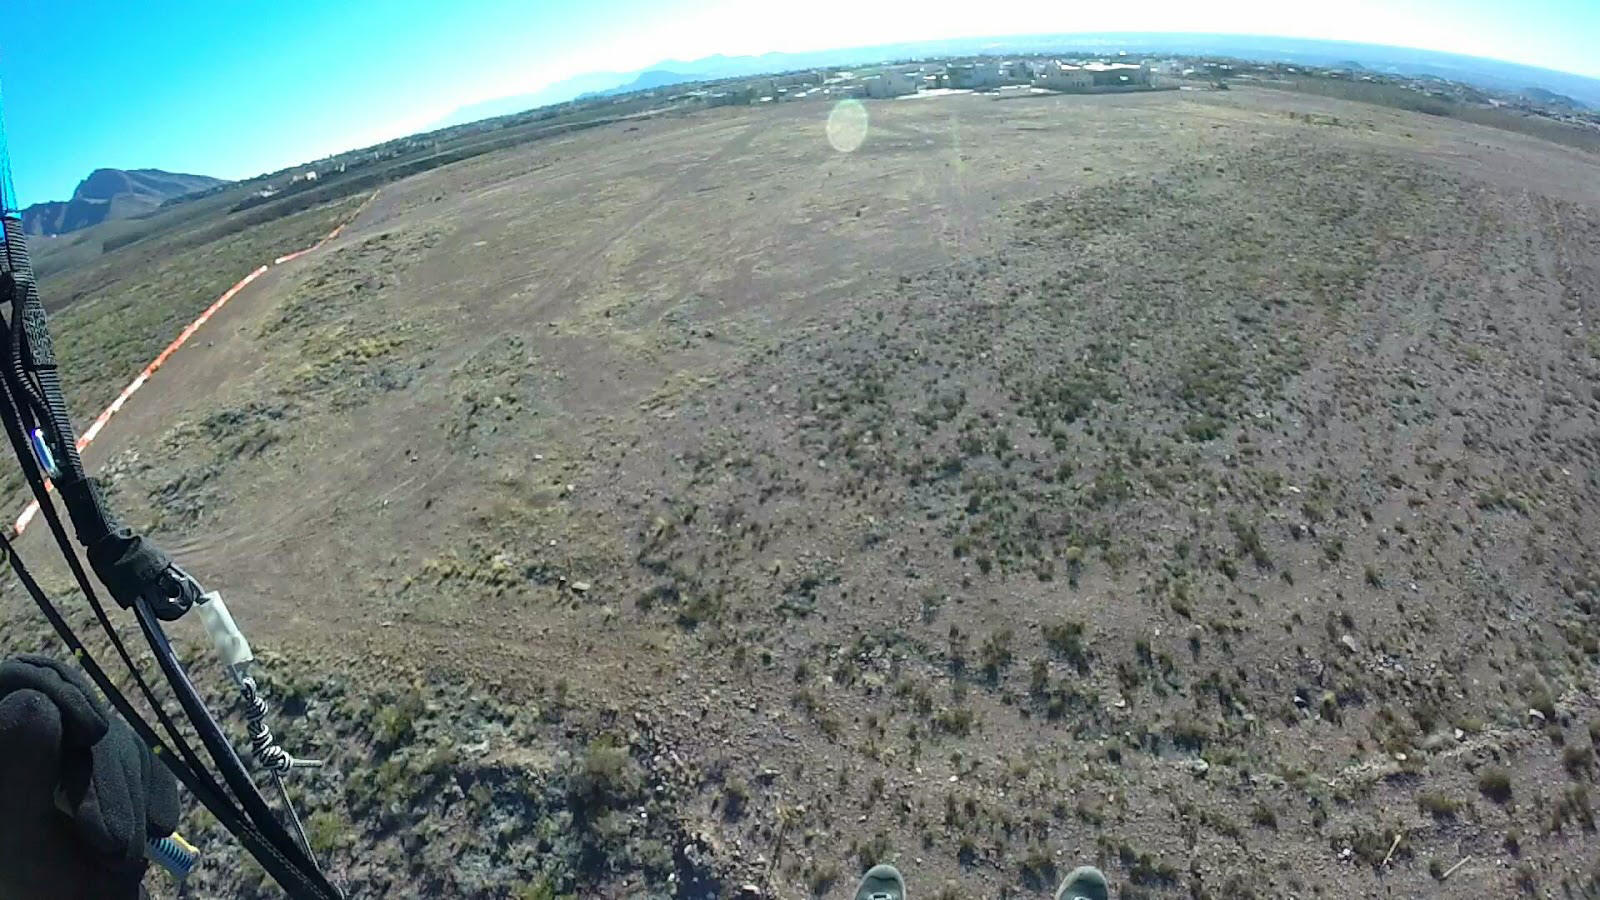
1084 883
882 882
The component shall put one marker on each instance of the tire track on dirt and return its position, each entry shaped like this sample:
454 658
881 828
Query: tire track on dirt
658 200
954 229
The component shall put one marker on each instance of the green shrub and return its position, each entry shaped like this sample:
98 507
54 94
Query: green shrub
1037 869
325 831
1577 757
957 721
874 851
1573 807
540 888
1039 678
735 798
1065 639
821 878
604 777
995 654
1438 804
1264 816
395 723
1189 731
1494 782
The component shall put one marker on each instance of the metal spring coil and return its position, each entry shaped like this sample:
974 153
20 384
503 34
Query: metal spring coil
266 751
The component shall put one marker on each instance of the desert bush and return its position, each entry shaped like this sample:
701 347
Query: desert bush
1065 639
1494 782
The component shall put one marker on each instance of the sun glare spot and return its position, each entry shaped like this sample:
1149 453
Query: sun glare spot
847 125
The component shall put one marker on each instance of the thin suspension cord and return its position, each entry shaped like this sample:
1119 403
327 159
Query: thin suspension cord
30 393
267 848
310 882
196 778
228 815
47 508
222 752
266 836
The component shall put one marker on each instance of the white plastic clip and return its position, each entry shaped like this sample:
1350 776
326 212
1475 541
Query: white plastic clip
231 645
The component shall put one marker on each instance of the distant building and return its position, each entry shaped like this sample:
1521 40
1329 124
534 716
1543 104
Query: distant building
799 79
1058 76
1063 77
973 76
1019 71
1118 74
735 96
890 84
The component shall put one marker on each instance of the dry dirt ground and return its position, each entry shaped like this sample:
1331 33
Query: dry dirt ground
1198 484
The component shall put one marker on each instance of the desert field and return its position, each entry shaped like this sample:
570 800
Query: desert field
1198 484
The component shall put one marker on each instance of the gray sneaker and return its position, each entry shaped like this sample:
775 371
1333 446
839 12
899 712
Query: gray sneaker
1084 883
883 882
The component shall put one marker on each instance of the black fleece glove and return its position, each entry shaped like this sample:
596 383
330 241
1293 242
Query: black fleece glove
79 793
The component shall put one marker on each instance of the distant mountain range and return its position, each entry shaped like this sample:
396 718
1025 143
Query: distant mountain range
647 80
111 194
1487 73
557 92
1551 98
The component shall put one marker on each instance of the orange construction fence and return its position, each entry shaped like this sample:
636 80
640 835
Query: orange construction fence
89 434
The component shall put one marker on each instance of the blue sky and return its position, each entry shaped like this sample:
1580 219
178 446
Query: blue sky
234 88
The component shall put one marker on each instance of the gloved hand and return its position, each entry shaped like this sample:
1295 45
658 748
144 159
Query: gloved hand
79 792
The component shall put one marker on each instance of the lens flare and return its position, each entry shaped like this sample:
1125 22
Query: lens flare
847 125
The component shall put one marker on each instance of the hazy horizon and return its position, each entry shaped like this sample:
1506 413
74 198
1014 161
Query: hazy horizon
233 93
